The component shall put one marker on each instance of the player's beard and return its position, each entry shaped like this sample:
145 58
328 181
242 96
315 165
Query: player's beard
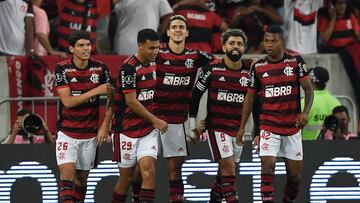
233 56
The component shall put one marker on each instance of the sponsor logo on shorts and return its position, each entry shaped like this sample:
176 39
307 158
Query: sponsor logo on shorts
299 154
126 156
153 147
265 147
226 148
61 156
180 149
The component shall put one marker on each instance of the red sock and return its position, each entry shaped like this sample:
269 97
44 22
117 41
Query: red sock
267 188
117 198
147 195
67 192
80 192
176 191
229 189
215 194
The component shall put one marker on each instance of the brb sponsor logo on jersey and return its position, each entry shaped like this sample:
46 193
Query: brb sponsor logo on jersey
146 95
271 91
229 96
171 79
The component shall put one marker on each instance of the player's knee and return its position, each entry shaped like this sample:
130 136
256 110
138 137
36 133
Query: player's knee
175 174
227 167
148 172
67 173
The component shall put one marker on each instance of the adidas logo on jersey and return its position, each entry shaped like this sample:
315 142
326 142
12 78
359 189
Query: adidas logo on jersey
73 79
143 77
222 79
167 62
265 75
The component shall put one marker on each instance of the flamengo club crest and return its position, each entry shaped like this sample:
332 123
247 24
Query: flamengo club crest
189 63
288 71
94 78
244 81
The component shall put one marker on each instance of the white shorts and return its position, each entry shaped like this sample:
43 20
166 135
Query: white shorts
223 145
281 146
82 152
133 149
173 141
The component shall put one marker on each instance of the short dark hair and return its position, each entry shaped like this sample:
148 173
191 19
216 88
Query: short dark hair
339 109
178 17
147 34
320 76
77 35
23 112
274 29
233 33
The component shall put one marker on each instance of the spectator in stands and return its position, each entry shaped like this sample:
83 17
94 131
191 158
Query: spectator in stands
323 103
202 24
336 127
19 134
79 15
42 44
253 18
17 27
300 25
338 27
130 16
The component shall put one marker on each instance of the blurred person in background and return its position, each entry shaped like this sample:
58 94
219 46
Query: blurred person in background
202 25
253 17
336 126
323 103
17 28
20 132
75 15
130 16
42 44
338 27
300 25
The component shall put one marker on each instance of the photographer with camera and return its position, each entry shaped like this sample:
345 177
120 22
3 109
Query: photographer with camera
323 104
29 128
336 126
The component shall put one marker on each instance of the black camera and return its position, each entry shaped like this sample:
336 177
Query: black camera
332 123
32 124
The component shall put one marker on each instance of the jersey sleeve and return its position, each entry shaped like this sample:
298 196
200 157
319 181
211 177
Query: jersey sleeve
106 77
254 82
302 68
60 77
200 87
204 58
127 78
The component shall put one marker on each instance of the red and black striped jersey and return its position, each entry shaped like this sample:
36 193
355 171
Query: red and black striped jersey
344 32
77 16
118 104
176 75
279 84
202 24
135 77
226 92
80 122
